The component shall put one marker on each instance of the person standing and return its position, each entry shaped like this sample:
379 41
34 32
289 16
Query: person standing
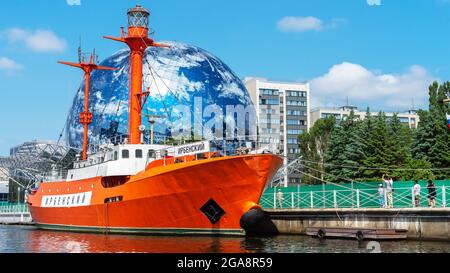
431 194
389 188
381 195
416 193
280 198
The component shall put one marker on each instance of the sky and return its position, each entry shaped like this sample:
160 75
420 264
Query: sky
377 53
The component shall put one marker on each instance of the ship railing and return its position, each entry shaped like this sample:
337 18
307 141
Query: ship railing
227 146
55 175
218 148
357 198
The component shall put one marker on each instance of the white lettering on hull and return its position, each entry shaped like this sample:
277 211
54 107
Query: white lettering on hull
67 200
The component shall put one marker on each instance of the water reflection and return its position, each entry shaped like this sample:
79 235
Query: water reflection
28 239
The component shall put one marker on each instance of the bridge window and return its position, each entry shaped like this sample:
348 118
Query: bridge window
151 154
125 154
113 181
138 153
115 155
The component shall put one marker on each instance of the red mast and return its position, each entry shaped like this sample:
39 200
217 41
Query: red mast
138 41
88 67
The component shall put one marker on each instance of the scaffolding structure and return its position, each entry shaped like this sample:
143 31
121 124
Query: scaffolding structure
29 162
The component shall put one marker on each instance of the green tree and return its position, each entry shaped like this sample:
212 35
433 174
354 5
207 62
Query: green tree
346 148
414 169
380 150
313 146
432 139
401 138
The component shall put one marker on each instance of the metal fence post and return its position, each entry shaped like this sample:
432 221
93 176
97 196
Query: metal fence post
312 199
357 198
444 203
334 199
292 199
412 198
274 199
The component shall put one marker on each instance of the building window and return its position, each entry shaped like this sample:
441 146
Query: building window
404 120
290 93
296 122
327 115
292 141
138 153
294 180
294 131
270 131
296 113
269 121
270 92
294 151
296 103
269 101
125 154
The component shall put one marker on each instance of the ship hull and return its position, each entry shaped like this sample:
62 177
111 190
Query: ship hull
162 200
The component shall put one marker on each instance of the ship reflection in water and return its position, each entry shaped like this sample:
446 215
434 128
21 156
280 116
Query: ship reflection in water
28 239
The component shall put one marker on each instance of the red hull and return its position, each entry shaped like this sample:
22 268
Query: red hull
164 199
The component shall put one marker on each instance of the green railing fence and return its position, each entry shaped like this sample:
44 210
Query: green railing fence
346 195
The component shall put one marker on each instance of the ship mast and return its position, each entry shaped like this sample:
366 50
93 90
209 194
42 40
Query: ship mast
137 40
88 66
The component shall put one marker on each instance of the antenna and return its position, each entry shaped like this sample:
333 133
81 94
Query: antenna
80 53
86 116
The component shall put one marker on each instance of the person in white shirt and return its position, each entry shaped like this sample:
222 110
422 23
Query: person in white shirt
280 198
381 195
416 193
389 188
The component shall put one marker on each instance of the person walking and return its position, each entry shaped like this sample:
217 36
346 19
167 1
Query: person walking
389 188
431 194
416 193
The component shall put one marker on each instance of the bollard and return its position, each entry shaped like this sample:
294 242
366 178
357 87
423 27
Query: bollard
412 198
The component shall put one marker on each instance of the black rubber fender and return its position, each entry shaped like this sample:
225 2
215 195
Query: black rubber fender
257 222
360 235
321 234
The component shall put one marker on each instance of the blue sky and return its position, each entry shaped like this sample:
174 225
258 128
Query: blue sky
381 54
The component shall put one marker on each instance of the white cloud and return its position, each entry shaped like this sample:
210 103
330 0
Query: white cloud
299 24
38 40
73 2
369 88
374 2
9 66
